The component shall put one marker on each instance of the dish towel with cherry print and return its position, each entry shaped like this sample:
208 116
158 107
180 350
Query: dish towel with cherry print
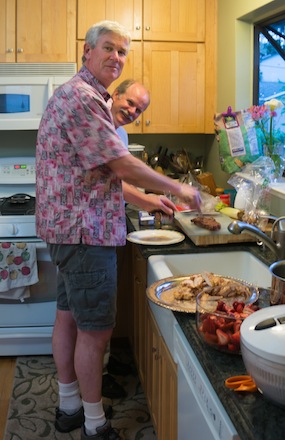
18 269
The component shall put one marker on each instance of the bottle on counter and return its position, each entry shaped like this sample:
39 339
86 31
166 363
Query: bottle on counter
226 199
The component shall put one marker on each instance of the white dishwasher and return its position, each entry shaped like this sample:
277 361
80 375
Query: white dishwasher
201 416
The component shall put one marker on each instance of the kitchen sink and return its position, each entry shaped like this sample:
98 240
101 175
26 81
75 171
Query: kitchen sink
239 264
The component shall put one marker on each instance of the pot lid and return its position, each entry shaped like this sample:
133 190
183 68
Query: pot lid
263 333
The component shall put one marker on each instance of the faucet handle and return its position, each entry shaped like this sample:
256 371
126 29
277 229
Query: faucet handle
278 232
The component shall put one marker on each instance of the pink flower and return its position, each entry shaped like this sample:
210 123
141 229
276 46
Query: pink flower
258 112
263 116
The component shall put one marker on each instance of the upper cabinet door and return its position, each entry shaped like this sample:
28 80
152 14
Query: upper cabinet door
174 20
175 75
46 31
7 31
126 12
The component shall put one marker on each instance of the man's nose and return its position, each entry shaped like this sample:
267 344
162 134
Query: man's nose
115 55
132 111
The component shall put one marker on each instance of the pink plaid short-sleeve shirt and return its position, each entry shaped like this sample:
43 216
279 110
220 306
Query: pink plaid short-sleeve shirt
78 197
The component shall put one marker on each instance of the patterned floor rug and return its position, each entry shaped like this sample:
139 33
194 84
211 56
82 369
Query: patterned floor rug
34 399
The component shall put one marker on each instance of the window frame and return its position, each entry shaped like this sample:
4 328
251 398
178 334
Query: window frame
263 27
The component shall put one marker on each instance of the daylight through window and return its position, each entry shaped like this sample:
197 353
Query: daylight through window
269 72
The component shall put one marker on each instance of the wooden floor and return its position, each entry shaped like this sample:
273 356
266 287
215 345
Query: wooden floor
7 369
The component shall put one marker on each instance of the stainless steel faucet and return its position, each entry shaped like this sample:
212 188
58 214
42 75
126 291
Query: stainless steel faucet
276 241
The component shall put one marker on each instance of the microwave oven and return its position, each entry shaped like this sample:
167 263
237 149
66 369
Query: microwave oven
25 90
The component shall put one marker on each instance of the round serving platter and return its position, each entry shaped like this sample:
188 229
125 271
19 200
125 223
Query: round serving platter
162 293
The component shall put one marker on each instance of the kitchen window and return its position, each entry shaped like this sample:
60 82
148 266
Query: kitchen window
269 60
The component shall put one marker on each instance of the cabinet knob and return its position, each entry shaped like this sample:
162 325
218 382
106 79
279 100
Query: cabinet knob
156 354
137 123
20 50
10 50
147 28
138 27
147 122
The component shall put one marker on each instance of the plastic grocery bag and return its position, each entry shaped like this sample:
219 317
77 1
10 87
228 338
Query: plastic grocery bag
239 141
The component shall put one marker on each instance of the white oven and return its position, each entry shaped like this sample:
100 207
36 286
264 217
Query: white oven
25 90
26 314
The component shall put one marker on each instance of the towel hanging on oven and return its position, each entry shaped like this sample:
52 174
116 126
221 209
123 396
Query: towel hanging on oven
18 266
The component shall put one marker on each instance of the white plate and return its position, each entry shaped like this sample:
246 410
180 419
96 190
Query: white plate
155 237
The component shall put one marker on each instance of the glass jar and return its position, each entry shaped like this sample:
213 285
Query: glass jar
138 151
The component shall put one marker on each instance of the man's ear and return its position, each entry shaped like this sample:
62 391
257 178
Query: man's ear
87 50
115 95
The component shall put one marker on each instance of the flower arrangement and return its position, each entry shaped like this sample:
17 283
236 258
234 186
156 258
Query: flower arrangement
264 117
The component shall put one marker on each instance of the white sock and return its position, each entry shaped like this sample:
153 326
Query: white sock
69 397
94 416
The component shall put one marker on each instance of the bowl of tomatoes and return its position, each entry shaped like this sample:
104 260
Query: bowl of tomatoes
219 320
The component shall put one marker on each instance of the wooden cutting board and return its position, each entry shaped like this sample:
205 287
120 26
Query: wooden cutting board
203 237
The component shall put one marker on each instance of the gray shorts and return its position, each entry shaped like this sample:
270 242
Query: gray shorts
87 283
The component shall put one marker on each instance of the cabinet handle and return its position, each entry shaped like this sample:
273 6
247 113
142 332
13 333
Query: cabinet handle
10 50
155 351
147 28
147 122
137 122
138 27
20 50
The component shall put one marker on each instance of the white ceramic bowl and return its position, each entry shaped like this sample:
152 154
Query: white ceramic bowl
262 348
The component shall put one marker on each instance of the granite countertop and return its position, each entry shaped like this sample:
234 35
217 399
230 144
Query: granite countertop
254 417
188 247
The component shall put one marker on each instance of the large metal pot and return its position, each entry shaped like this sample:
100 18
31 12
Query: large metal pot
277 295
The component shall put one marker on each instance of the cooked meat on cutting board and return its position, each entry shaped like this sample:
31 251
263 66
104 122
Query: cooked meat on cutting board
206 222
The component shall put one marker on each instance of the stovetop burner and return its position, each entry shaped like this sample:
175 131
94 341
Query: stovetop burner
18 204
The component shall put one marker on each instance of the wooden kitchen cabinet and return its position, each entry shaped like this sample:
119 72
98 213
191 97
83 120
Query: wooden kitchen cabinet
139 305
168 376
181 77
156 368
160 20
161 382
38 31
178 98
126 12
175 75
175 59
7 30
124 286
174 20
